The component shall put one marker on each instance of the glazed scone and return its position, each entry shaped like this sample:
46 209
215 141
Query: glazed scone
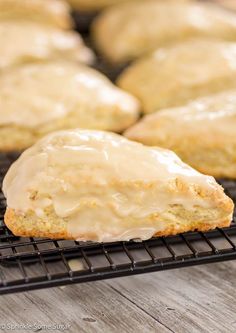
24 42
40 98
130 30
99 186
175 75
202 133
49 12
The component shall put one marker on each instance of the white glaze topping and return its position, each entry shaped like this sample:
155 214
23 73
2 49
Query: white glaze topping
28 41
36 94
102 184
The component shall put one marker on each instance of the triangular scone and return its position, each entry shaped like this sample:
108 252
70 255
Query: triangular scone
49 12
40 98
175 75
202 133
99 186
24 42
130 30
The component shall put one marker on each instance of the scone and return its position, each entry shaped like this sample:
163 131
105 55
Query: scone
49 12
202 133
130 30
99 186
175 75
23 42
40 98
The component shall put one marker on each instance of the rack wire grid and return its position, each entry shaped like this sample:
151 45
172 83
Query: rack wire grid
33 263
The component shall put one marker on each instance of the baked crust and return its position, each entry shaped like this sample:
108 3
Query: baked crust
130 30
176 75
51 12
90 185
202 133
53 227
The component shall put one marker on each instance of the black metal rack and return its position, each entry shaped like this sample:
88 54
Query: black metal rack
61 262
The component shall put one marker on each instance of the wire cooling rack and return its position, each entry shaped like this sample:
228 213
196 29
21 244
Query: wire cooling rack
33 263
